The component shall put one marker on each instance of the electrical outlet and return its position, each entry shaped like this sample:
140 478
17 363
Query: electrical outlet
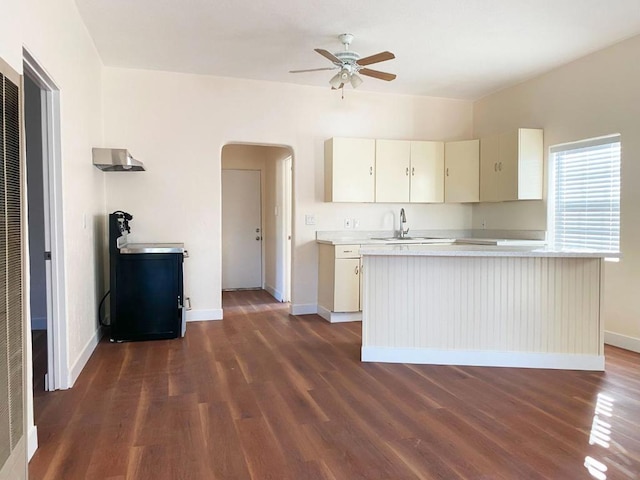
356 223
347 223
310 219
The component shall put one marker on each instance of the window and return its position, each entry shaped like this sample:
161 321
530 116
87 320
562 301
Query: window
585 195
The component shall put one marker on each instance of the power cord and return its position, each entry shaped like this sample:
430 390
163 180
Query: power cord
100 319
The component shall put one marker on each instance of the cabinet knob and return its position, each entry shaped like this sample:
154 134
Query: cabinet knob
407 172
413 171
499 166
356 270
370 170
258 238
447 172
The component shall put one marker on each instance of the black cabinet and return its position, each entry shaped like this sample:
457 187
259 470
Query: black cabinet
147 296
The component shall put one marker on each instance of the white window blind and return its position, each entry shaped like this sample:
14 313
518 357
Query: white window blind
585 195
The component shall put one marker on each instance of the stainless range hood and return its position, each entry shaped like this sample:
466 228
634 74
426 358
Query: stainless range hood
116 160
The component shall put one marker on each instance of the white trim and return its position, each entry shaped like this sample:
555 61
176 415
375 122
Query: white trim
274 293
82 359
32 441
303 309
339 317
591 142
57 347
622 341
566 361
38 323
204 315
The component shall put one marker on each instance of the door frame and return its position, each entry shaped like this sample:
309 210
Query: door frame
290 207
288 226
57 368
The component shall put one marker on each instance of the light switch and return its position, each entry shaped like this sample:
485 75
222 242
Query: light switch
310 219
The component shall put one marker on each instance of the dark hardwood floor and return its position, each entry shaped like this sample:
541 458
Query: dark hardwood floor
39 360
266 395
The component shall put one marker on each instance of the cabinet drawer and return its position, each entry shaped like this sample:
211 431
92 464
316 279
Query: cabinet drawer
347 251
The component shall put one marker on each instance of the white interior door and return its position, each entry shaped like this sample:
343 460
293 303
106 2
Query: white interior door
241 229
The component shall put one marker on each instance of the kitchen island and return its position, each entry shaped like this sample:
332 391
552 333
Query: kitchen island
483 305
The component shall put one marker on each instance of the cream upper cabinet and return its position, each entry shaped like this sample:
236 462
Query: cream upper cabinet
393 159
409 171
511 166
349 169
489 177
462 171
426 172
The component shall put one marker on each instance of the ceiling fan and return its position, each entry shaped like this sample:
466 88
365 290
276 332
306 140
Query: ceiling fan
350 65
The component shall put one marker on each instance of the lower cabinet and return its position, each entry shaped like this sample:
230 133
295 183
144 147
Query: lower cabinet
339 284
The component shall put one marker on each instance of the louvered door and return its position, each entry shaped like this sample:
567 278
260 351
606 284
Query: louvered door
12 438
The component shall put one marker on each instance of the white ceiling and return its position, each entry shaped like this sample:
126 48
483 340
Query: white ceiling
446 48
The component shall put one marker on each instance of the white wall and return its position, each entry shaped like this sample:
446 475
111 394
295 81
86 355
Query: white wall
178 123
11 33
594 96
56 37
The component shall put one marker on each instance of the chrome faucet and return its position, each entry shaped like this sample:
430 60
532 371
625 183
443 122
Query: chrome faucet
403 222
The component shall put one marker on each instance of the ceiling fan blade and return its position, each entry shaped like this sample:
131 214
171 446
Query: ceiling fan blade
313 70
378 57
377 74
328 55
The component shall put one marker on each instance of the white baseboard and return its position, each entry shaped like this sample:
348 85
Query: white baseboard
483 358
622 341
38 323
204 315
274 292
32 441
82 359
339 317
303 309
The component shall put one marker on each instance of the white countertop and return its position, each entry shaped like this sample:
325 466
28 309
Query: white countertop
483 237
477 251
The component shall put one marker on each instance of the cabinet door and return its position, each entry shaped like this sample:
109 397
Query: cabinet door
360 297
489 177
427 169
148 297
349 170
392 170
347 285
462 171
530 163
508 166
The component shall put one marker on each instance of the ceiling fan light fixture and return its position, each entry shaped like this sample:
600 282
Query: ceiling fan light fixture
336 80
356 81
